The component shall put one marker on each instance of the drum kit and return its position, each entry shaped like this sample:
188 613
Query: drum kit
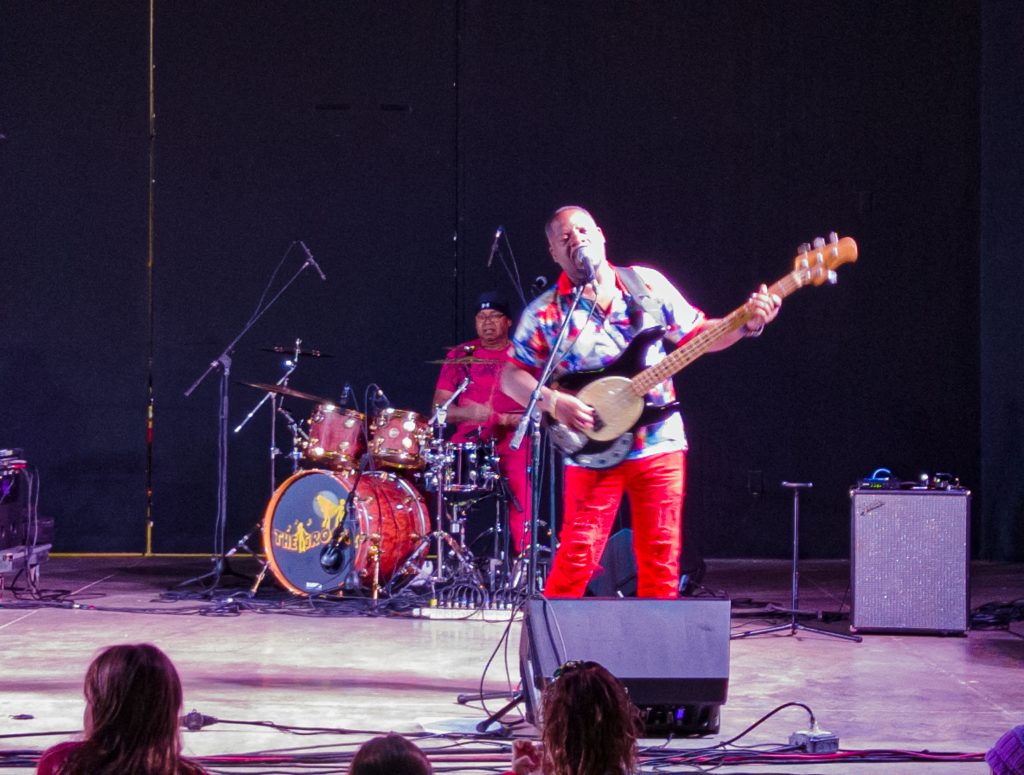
352 518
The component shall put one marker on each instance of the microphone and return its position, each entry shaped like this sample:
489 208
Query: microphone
381 396
540 282
310 261
494 245
584 264
330 555
469 349
346 394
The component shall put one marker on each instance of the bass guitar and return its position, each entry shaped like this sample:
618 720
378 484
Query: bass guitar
618 391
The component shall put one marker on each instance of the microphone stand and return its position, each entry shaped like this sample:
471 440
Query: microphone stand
332 555
223 363
441 410
531 419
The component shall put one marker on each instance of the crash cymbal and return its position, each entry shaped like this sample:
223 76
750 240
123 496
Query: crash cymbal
281 349
284 390
467 361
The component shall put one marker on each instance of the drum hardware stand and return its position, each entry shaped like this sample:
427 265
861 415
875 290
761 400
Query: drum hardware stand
499 537
437 469
298 435
375 552
243 543
277 406
501 546
223 363
794 609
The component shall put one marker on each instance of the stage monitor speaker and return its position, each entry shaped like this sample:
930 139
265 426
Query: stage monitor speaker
672 655
910 560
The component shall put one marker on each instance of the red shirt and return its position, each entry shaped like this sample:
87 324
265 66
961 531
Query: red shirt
485 388
53 758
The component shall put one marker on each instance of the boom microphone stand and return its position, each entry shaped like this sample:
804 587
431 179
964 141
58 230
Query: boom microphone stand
223 363
529 420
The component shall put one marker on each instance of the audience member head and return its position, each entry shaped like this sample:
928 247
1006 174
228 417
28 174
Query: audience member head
132 706
390 755
590 726
1006 757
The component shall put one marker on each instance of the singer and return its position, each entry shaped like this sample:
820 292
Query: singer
483 412
616 305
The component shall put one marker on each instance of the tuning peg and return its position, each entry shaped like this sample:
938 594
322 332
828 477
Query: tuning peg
833 238
832 277
819 243
802 251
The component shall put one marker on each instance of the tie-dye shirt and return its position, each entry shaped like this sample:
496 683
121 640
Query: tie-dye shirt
595 339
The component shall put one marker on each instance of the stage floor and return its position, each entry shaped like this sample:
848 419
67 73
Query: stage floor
291 662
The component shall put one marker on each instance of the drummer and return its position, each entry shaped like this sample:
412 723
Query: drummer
483 412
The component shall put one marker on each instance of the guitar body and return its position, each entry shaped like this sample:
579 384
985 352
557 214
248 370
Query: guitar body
618 410
630 362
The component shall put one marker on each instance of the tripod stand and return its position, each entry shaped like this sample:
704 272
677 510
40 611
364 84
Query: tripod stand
223 364
794 608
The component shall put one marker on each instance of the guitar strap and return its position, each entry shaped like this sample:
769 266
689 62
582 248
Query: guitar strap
640 296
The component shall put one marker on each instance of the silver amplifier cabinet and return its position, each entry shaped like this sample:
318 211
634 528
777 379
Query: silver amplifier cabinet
910 560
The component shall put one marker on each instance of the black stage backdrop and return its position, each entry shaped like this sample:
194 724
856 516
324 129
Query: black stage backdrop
709 139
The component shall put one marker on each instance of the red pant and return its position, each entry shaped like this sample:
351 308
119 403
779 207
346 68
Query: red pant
512 464
655 486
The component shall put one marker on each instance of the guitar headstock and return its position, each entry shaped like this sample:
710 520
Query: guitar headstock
816 264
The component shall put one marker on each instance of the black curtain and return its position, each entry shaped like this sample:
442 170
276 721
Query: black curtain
709 139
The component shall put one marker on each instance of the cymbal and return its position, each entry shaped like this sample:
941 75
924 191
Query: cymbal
466 361
284 390
283 350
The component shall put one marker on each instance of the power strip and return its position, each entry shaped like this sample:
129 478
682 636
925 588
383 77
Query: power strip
469 614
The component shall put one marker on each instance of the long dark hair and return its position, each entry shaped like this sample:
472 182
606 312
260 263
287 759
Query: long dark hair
390 755
590 726
132 701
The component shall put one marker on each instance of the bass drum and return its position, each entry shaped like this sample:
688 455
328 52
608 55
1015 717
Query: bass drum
387 514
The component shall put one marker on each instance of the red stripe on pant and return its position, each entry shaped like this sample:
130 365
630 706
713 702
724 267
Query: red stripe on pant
656 486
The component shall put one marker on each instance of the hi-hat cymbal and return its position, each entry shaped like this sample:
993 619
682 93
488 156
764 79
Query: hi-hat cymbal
466 361
283 350
284 390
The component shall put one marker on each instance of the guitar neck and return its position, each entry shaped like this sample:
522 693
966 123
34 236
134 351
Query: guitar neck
708 336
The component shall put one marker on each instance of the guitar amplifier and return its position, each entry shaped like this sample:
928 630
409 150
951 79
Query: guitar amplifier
910 560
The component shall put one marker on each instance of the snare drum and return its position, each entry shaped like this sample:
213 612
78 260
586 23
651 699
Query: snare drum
397 438
335 437
388 520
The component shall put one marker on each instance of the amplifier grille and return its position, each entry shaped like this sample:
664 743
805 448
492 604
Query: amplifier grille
911 553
